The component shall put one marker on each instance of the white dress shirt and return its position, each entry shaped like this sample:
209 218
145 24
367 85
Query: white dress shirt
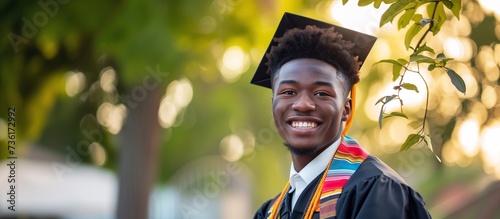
300 180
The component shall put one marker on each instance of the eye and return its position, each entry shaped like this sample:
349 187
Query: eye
322 94
288 92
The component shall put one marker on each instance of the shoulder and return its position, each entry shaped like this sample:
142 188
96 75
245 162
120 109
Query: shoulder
263 210
372 168
374 188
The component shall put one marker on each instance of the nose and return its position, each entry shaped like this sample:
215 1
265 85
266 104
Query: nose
304 103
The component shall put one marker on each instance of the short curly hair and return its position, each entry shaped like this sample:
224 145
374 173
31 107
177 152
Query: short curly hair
318 43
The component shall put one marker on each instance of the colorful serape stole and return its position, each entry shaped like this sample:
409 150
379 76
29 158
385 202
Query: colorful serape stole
346 161
344 164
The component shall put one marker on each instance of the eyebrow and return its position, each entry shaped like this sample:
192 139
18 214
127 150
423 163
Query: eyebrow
323 83
288 82
318 83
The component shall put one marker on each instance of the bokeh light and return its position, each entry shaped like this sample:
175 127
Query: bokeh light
234 62
75 83
486 63
491 7
108 79
468 136
248 140
98 153
489 96
367 18
458 48
232 148
111 116
178 96
490 150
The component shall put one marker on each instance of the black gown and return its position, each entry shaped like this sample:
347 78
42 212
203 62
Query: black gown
373 191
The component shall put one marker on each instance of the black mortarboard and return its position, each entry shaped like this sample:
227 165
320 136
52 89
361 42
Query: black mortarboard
363 42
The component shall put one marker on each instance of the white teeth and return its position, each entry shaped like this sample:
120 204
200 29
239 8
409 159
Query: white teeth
303 125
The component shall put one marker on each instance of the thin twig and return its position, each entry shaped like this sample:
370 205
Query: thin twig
431 24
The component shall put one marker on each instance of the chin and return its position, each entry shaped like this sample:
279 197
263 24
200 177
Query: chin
302 150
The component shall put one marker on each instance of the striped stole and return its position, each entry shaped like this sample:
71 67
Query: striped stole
346 161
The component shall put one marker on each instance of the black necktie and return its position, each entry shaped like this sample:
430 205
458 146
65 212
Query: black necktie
286 207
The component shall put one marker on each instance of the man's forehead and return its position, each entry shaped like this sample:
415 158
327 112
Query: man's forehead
307 70
308 65
318 73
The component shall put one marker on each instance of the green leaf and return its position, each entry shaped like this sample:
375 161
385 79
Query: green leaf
457 6
396 68
397 114
409 86
422 49
344 2
428 142
380 117
377 3
417 17
396 72
388 1
364 2
439 17
380 100
456 80
412 32
431 67
411 140
402 61
394 10
448 4
405 19
415 124
389 98
392 61
440 56
385 99
421 59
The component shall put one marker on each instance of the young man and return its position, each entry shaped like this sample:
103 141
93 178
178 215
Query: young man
311 69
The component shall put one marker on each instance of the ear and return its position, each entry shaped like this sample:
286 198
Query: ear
346 112
272 102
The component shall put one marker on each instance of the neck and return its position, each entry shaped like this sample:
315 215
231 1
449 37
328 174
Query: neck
300 161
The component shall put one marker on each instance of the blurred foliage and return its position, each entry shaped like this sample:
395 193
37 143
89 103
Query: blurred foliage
45 44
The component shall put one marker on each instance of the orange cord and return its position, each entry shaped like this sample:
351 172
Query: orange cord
353 107
313 205
277 203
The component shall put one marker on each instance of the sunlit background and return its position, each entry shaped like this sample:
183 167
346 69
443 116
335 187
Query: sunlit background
130 109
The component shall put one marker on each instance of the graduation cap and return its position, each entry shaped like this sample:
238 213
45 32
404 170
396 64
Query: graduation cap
362 42
362 46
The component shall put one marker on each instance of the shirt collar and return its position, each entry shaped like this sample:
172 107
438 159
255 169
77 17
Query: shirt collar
315 167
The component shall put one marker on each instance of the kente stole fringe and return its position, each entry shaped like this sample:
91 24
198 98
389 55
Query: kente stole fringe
344 164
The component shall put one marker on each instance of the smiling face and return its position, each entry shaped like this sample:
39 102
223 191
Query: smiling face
309 105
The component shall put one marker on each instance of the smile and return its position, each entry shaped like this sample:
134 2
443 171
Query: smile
303 124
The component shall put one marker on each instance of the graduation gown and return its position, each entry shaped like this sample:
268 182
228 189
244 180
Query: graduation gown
373 191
